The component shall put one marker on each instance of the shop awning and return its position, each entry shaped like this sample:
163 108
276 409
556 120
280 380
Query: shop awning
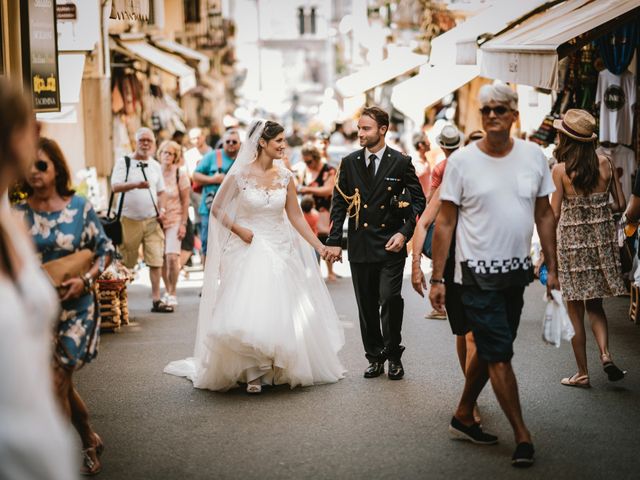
70 68
459 45
529 53
164 61
204 64
412 96
398 63
130 9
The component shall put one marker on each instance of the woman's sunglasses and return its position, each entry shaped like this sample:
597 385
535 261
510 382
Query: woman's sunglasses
41 165
499 110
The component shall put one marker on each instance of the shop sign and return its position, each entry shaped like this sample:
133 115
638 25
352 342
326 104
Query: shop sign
67 11
40 53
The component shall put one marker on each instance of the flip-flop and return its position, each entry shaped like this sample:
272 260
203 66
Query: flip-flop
579 381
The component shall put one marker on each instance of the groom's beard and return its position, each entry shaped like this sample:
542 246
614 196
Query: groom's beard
370 142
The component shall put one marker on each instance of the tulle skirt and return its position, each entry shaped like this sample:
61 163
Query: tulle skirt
273 318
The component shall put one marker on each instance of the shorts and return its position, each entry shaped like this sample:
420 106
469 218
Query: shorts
147 233
204 232
189 240
172 245
494 317
452 300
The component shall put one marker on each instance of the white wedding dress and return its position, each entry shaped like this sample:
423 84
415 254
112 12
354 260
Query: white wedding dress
272 316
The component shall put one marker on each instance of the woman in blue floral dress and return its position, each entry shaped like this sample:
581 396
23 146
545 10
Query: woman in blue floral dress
62 223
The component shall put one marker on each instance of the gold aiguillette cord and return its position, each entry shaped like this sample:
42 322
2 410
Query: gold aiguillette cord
353 201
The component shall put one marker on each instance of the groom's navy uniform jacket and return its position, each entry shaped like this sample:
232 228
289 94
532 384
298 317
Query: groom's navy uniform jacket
389 204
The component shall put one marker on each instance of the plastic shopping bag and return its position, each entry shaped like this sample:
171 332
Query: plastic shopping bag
556 325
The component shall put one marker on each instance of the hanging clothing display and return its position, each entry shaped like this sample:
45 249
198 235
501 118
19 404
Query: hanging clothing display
616 95
624 160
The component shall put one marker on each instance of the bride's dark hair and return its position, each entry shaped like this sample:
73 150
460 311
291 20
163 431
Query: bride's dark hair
271 130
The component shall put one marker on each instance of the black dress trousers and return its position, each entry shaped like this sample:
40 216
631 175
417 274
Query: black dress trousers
378 289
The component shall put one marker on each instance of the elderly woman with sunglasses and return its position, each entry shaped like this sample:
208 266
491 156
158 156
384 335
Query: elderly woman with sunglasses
177 188
61 223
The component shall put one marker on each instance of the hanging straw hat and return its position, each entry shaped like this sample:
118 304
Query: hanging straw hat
577 124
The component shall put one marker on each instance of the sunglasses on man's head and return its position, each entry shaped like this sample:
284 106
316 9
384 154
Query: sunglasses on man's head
41 165
231 142
499 110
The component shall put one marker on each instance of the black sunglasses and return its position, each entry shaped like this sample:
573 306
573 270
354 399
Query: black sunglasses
41 165
499 110
231 142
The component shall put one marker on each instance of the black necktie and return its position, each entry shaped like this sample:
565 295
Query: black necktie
372 166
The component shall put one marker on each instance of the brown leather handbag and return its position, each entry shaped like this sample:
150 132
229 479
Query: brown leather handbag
72 266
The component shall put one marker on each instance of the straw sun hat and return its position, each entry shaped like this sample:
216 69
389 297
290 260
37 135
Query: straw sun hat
577 124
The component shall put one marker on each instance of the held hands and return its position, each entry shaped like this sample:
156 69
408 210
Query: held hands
332 254
395 243
73 288
245 234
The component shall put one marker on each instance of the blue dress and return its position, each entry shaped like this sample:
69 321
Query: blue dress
56 235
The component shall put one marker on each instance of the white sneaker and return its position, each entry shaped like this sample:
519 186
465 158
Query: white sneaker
172 300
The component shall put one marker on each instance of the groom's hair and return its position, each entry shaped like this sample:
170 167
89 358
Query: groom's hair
380 116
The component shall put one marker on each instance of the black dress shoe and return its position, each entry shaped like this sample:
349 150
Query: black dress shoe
396 371
375 369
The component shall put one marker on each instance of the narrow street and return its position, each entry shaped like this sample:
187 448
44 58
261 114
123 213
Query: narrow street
156 426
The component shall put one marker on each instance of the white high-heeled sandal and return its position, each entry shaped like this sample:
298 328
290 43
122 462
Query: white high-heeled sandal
254 388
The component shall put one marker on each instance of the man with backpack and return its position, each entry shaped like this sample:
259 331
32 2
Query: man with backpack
210 173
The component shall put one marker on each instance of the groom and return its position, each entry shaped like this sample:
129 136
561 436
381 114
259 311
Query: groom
378 189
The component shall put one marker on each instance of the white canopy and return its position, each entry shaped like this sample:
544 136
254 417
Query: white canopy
185 52
399 63
164 61
412 96
528 53
458 45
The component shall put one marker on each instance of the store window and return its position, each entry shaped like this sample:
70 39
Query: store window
192 11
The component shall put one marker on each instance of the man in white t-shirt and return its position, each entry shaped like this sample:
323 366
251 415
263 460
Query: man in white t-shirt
495 188
141 186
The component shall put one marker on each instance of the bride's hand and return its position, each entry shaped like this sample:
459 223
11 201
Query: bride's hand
322 251
245 234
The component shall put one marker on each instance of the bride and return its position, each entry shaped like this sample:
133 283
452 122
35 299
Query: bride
266 316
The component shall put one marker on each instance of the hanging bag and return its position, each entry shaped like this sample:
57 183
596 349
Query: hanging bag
556 325
112 225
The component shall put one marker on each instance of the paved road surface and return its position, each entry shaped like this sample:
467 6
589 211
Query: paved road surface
156 426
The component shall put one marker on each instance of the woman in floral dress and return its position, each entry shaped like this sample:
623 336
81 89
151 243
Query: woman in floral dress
588 255
62 223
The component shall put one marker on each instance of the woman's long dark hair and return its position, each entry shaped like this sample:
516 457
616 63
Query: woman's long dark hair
63 176
580 162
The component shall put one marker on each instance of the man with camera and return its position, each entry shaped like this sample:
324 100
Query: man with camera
138 179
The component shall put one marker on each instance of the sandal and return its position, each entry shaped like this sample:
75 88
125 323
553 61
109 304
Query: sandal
580 381
90 462
160 307
99 446
254 388
610 368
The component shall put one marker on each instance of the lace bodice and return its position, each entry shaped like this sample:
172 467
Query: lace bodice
261 206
